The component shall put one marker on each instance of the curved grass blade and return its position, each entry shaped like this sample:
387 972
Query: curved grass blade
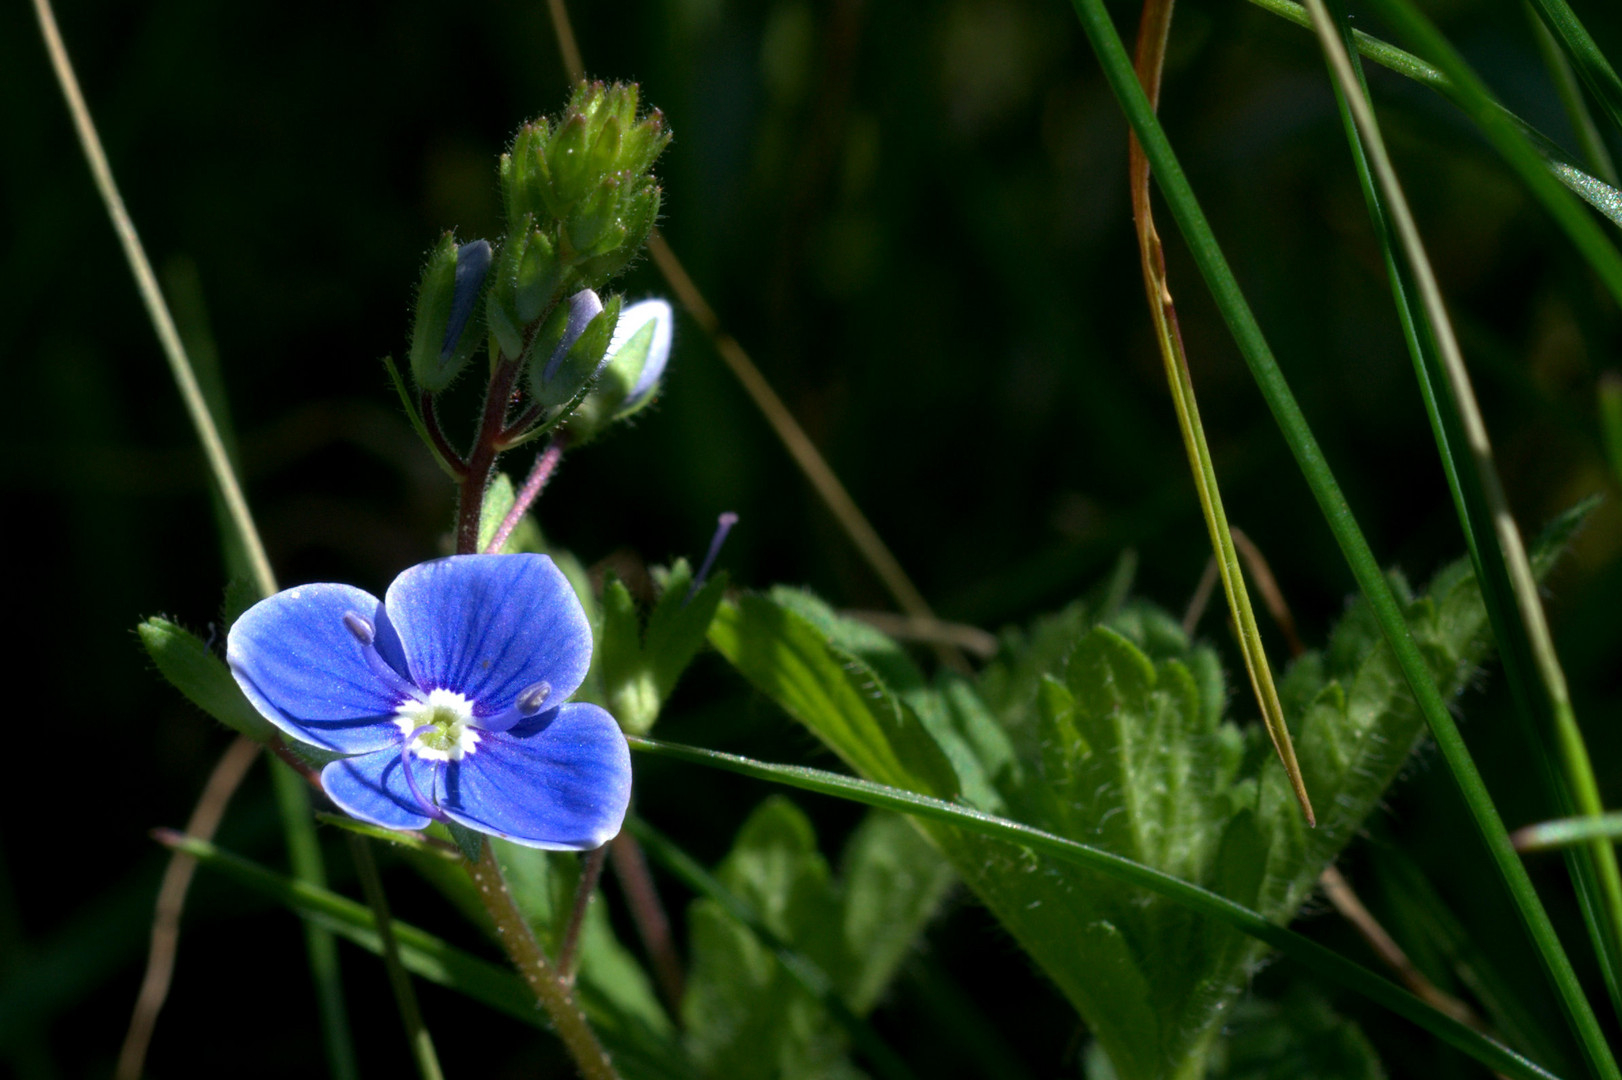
1598 193
1596 71
241 541
1508 138
1570 93
421 953
1354 546
1508 584
816 982
1151 56
1325 962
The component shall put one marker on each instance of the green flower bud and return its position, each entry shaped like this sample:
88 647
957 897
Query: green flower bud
570 165
540 274
594 226
501 305
569 350
583 183
637 355
643 142
447 299
633 228
524 176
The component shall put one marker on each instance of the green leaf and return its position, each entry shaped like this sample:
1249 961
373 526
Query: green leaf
498 502
639 669
189 665
1322 961
1122 743
836 694
639 1052
785 957
1297 1036
895 881
679 623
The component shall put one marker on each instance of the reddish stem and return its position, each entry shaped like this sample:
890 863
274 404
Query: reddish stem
652 924
545 465
430 420
482 461
525 421
591 868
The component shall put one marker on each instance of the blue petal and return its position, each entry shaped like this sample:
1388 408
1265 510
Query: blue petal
303 669
373 788
561 781
491 626
633 319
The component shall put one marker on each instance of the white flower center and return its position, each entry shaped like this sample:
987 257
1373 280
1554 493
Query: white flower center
440 729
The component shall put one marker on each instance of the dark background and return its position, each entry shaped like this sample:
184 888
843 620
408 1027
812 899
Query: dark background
915 216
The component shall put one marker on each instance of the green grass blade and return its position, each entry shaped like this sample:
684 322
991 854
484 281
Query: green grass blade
304 855
242 542
1509 138
1153 33
1509 586
421 953
816 982
1365 568
163 323
1596 71
418 1040
1598 193
1325 962
1571 100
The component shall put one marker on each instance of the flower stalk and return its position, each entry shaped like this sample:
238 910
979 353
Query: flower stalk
545 465
518 940
591 870
481 461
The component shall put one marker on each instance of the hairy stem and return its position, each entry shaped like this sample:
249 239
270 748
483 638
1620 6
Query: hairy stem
542 978
482 460
545 465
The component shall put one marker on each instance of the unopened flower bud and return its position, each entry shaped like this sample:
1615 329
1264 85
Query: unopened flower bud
568 352
637 355
446 302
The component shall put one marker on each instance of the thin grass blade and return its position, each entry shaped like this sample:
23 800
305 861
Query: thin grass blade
1508 138
1600 194
1596 71
1324 962
1354 546
1571 100
1566 832
1496 548
1153 32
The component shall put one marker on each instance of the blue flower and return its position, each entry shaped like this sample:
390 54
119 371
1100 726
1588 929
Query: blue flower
447 698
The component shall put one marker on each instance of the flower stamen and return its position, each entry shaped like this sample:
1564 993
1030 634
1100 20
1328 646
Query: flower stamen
723 525
365 633
405 767
440 727
530 700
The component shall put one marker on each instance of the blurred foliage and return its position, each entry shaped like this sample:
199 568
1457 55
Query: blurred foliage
915 217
